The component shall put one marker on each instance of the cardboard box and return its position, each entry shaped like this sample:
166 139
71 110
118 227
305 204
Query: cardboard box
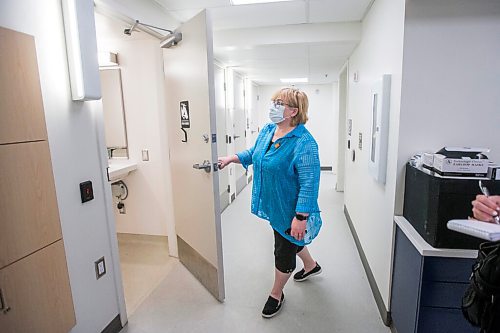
460 167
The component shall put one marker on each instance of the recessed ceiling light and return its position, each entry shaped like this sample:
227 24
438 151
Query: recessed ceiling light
295 80
247 2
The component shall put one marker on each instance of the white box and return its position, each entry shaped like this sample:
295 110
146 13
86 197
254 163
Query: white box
428 160
465 167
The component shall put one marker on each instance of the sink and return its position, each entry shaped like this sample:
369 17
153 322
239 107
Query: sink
118 169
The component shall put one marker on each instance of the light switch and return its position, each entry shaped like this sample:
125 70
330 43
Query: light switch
145 155
86 191
100 268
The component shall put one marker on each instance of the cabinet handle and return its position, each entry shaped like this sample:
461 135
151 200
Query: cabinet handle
3 307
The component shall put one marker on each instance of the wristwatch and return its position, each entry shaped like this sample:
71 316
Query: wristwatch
301 217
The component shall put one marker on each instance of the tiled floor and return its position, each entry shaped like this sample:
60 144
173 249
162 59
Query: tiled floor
144 262
338 300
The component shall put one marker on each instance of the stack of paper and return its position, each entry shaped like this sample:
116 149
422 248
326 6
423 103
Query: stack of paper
484 230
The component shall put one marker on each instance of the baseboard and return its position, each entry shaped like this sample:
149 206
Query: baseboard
114 326
241 183
326 168
386 315
203 270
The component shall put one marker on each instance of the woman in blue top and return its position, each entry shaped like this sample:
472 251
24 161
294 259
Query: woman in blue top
285 188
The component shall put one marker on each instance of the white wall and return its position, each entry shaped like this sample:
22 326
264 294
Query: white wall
75 158
450 91
370 205
323 115
149 206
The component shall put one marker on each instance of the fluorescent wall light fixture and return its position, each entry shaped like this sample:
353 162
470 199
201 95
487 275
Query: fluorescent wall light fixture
295 80
248 2
81 48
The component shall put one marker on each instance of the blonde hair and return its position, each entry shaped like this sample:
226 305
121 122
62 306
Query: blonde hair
294 98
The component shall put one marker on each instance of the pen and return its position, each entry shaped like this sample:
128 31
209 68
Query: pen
486 192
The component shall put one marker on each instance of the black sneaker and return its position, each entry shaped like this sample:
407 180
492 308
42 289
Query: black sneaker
302 275
273 306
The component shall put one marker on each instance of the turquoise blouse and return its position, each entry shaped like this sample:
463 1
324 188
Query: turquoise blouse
286 179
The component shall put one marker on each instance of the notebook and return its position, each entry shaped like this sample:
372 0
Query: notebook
484 230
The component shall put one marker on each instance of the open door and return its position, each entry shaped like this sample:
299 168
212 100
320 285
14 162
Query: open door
239 128
220 105
190 104
342 138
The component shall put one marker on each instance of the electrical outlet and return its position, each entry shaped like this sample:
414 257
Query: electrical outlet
100 268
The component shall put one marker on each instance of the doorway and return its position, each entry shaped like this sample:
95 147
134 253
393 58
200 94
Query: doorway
130 79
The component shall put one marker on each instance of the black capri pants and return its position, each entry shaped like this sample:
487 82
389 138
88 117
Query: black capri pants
284 253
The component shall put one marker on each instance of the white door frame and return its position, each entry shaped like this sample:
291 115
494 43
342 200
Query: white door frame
110 11
343 94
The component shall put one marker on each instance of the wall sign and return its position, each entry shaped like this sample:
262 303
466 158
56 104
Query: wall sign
184 107
185 120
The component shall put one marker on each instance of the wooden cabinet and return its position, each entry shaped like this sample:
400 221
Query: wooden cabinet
28 205
35 294
21 106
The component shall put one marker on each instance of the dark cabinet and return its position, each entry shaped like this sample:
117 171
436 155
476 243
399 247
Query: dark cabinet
428 285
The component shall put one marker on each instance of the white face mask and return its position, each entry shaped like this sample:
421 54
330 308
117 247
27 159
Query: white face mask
277 113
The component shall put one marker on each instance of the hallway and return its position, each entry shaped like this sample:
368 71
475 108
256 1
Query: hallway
338 300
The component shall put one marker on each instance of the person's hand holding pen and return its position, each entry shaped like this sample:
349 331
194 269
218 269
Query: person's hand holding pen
487 208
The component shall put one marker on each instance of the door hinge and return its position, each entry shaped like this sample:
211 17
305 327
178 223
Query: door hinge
228 188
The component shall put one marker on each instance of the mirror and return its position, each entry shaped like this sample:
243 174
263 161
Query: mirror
114 112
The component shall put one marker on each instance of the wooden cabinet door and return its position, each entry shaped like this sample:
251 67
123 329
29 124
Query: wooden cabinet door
21 108
37 293
29 216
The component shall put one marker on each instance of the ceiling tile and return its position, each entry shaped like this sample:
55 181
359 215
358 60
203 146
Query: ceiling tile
337 11
192 4
261 15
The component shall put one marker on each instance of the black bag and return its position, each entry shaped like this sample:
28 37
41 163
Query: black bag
481 301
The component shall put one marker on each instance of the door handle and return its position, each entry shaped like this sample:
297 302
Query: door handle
237 136
207 166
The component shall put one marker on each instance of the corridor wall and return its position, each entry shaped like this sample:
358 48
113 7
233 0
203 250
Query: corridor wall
76 157
371 205
323 115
